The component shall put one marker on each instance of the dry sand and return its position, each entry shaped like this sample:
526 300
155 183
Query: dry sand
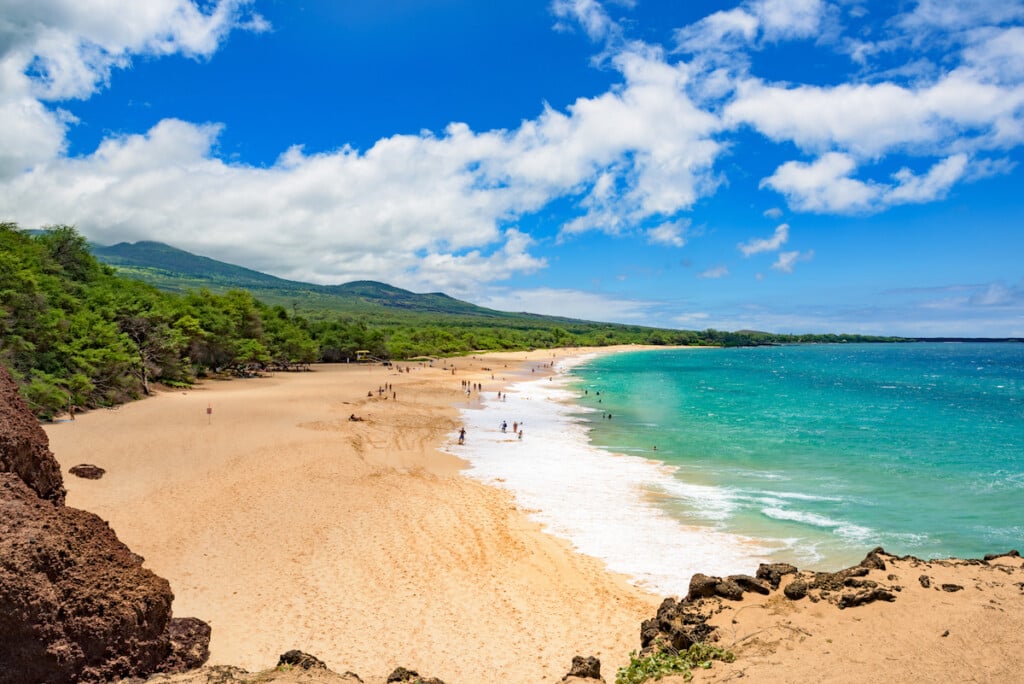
285 525
966 625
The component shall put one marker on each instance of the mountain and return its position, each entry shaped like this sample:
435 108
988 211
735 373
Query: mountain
176 270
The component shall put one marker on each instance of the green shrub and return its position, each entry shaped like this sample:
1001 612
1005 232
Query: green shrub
670 662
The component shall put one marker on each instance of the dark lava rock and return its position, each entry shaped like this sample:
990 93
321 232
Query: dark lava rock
584 668
1014 553
925 581
296 658
796 589
702 586
864 597
87 471
773 572
678 625
748 583
951 587
404 676
729 590
874 560
837 581
24 448
190 645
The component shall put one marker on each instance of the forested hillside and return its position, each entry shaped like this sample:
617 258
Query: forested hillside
74 332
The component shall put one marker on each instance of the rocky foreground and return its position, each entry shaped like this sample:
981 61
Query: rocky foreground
76 605
785 624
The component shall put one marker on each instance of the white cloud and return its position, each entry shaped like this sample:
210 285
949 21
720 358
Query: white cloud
714 272
789 19
826 185
589 14
933 185
756 246
869 120
723 31
772 213
788 260
557 302
929 16
998 55
672 233
421 211
823 185
53 50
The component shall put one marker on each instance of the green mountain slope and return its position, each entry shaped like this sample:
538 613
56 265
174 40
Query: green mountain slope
176 270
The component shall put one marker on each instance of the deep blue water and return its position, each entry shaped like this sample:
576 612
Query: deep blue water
828 450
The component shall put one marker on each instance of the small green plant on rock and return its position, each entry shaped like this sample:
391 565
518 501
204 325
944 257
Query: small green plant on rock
667 662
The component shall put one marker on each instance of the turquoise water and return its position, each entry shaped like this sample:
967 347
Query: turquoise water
826 451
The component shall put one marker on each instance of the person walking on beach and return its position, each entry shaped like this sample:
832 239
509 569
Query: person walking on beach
462 435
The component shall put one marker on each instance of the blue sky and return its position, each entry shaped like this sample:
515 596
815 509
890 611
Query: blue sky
783 165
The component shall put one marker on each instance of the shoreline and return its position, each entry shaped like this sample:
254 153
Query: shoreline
603 503
371 547
365 534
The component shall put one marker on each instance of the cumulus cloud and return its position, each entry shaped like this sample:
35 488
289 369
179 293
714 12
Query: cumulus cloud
53 50
824 185
869 120
827 186
423 211
441 209
772 244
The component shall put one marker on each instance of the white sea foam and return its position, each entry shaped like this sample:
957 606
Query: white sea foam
603 503
847 530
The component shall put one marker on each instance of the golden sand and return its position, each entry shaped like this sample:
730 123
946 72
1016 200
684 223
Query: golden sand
284 524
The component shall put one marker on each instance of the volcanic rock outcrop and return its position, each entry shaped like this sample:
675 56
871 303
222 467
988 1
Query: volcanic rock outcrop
24 448
76 605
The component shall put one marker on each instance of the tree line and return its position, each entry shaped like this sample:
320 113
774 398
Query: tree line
74 333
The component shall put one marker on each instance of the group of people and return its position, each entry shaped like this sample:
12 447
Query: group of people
516 428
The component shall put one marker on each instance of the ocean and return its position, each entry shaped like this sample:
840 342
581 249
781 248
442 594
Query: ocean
670 462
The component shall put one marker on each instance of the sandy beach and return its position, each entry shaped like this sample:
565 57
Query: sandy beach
285 524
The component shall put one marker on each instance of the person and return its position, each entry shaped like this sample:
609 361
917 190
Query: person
520 434
515 426
505 425
462 435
